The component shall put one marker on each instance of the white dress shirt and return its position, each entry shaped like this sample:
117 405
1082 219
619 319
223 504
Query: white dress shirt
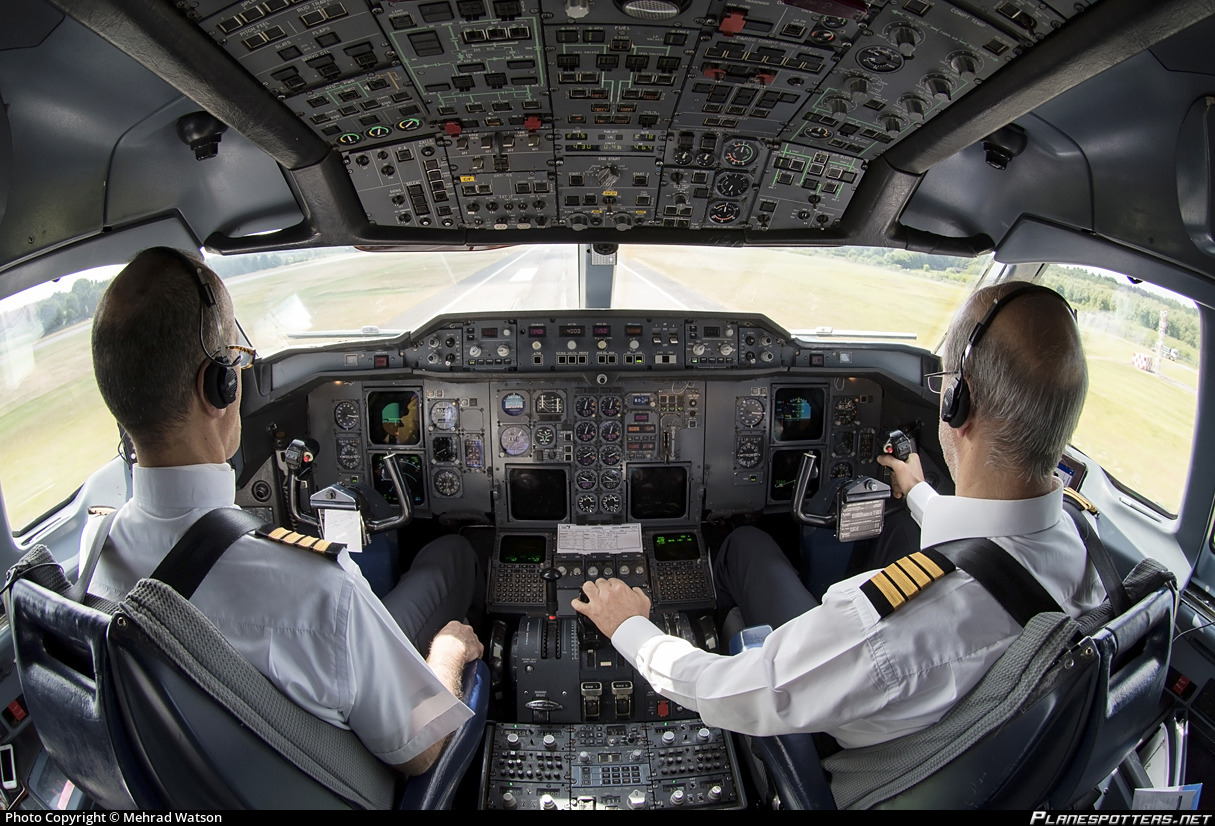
842 669
312 626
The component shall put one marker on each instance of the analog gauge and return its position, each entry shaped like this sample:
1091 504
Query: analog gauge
585 456
447 483
609 406
348 454
610 455
843 443
610 503
881 59
444 415
740 153
445 450
545 435
584 406
732 184
841 470
513 404
585 431
586 503
346 415
845 411
514 440
724 212
610 431
550 403
750 451
585 479
750 412
610 479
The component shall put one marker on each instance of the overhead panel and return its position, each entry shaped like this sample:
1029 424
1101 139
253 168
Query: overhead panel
688 114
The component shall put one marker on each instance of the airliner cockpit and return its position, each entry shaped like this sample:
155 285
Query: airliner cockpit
593 283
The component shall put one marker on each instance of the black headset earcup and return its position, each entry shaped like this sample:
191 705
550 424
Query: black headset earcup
220 384
955 404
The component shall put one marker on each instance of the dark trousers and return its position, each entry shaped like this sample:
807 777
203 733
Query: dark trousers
439 587
753 573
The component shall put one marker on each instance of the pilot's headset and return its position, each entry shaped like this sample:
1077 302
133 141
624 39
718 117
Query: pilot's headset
221 378
955 404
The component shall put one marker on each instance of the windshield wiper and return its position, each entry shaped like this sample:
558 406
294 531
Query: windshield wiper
831 332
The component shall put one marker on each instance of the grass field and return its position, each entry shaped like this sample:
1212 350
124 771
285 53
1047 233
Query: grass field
56 430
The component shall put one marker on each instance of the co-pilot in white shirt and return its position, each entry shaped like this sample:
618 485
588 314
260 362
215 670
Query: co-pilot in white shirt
842 669
313 627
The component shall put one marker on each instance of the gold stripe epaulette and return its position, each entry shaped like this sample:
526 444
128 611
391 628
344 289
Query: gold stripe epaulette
300 540
891 588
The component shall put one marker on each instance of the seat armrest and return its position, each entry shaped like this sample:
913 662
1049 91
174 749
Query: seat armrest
752 637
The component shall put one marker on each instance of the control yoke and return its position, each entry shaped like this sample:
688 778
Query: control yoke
377 514
856 508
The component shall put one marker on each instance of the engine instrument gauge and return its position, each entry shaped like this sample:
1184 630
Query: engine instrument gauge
444 415
585 456
750 412
445 449
585 479
585 431
724 212
346 415
585 406
841 470
514 440
740 153
610 479
610 503
610 431
586 503
610 406
447 483
610 455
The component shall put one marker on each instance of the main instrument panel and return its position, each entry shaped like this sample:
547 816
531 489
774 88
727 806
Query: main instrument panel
685 114
530 422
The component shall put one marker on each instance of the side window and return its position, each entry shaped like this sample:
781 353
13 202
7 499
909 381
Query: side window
1143 348
53 424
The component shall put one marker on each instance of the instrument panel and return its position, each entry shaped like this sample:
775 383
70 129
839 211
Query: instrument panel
530 422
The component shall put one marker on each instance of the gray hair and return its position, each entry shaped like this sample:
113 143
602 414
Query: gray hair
146 349
1028 377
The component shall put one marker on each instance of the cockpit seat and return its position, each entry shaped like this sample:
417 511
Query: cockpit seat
144 704
1054 717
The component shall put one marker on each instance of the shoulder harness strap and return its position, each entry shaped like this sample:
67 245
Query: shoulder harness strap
905 579
184 567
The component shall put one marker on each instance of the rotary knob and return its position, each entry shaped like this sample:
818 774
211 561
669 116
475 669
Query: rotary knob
584 757
547 802
698 349
914 105
578 221
636 799
964 63
939 86
678 797
891 124
512 739
668 738
715 792
622 220
857 86
905 37
550 742
503 351
837 105
607 176
703 734
508 801
474 351
726 348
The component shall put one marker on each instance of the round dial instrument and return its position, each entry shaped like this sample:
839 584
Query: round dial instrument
585 456
610 503
610 406
545 435
513 404
586 503
724 212
447 483
585 406
550 403
750 451
585 479
882 59
348 454
346 415
514 440
585 431
444 415
610 455
610 479
732 184
740 153
610 431
750 412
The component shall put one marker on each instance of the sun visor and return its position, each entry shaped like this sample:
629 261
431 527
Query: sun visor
1196 173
